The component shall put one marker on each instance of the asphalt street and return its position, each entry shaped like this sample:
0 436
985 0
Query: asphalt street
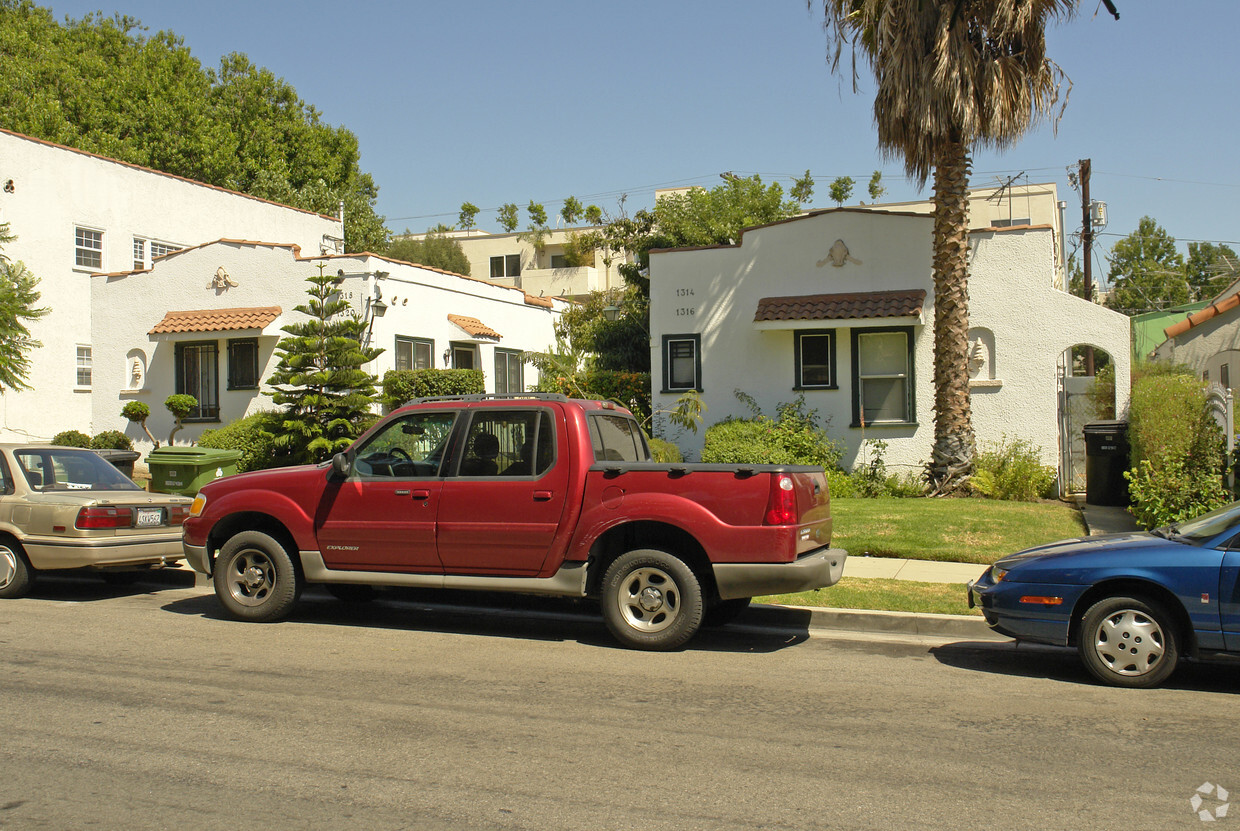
144 708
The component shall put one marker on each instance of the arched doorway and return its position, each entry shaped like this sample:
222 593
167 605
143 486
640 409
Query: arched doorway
1082 399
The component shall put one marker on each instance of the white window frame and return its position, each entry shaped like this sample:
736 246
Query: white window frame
147 250
88 245
83 366
906 377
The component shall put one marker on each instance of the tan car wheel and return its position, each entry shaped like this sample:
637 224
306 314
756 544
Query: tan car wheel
16 576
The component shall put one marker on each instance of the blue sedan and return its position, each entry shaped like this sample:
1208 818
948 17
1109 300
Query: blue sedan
1132 604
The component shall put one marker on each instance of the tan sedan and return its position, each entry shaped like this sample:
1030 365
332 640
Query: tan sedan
66 508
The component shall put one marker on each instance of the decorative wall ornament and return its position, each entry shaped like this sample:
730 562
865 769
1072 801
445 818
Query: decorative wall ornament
221 281
838 255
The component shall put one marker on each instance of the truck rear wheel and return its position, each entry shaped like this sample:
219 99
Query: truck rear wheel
255 578
651 600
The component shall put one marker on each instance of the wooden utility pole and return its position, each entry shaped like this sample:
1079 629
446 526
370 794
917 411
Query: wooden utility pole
1087 243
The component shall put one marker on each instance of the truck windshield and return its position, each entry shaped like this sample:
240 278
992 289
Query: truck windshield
617 438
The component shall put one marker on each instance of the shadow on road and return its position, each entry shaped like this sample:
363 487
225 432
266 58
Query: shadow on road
506 616
86 585
1063 664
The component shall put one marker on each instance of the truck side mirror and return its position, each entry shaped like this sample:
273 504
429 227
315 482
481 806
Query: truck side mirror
340 467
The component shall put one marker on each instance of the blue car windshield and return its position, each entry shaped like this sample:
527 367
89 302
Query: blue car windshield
1205 527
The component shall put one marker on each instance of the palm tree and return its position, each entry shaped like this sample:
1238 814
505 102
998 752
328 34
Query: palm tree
952 75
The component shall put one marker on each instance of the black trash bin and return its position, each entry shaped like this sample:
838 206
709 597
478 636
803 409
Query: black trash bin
1106 459
122 460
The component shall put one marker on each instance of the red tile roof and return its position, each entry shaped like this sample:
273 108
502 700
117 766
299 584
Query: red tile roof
475 327
216 320
1198 318
865 304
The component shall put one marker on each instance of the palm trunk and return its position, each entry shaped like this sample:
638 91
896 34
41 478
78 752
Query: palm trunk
952 456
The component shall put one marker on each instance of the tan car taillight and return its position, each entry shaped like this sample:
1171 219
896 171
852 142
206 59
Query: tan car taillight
104 518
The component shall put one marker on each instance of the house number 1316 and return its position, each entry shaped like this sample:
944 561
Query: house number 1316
686 311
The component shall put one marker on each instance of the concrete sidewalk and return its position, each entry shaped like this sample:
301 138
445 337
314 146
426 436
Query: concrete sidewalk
1099 519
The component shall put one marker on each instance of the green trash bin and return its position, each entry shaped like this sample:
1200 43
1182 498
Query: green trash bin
186 469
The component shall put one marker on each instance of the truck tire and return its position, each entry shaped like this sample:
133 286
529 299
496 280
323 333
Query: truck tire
651 600
255 578
16 575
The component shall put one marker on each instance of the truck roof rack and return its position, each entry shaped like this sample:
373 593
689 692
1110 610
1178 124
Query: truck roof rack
494 396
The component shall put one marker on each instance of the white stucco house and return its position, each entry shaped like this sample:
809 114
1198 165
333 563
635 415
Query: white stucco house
206 321
838 306
75 214
1208 340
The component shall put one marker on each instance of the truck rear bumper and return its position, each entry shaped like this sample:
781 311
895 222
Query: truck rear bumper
813 571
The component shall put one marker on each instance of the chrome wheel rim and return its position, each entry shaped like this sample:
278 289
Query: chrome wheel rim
251 577
649 599
8 566
1129 643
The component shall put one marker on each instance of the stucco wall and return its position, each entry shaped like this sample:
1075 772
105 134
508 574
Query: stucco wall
1021 323
56 189
126 307
1207 346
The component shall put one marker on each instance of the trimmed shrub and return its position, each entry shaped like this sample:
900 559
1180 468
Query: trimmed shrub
111 440
793 438
71 438
254 436
1012 469
1177 451
665 451
404 385
629 389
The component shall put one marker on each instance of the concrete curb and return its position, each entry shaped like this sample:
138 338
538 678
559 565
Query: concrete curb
863 620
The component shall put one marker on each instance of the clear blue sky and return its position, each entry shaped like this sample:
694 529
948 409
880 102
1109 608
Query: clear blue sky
493 101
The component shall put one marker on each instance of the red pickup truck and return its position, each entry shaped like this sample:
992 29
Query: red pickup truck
542 495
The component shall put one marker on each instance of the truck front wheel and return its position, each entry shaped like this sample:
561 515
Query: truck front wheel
255 578
651 600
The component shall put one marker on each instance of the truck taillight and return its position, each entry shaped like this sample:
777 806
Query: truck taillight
781 506
104 518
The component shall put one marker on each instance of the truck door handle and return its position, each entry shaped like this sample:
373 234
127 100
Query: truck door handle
542 496
422 494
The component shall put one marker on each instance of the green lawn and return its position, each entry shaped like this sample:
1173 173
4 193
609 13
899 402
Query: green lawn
951 530
884 595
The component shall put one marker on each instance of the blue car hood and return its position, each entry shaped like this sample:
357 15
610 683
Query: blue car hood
1103 545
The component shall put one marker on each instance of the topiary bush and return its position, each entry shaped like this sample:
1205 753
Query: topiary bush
1177 451
71 438
400 386
254 436
111 440
1012 469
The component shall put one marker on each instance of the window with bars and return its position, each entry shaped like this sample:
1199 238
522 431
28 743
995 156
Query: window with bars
509 371
88 248
243 364
197 374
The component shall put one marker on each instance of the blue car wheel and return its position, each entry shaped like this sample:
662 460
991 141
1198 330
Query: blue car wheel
1128 642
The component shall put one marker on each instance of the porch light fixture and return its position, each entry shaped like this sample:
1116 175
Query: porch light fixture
611 312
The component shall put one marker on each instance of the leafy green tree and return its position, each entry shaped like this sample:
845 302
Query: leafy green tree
1210 269
802 190
18 299
594 215
468 216
105 86
571 211
841 189
319 380
436 250
876 188
1147 272
508 217
950 76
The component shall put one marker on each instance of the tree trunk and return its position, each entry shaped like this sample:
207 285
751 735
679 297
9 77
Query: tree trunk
952 456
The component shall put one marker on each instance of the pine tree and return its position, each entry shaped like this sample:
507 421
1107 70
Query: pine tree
326 394
18 297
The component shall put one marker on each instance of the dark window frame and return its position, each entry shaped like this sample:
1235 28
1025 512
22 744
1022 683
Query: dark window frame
509 356
832 376
910 399
414 343
668 340
238 362
205 411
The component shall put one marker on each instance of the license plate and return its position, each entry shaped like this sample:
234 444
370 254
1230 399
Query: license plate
148 517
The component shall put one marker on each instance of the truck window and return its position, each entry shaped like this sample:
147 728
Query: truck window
509 443
617 438
407 447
